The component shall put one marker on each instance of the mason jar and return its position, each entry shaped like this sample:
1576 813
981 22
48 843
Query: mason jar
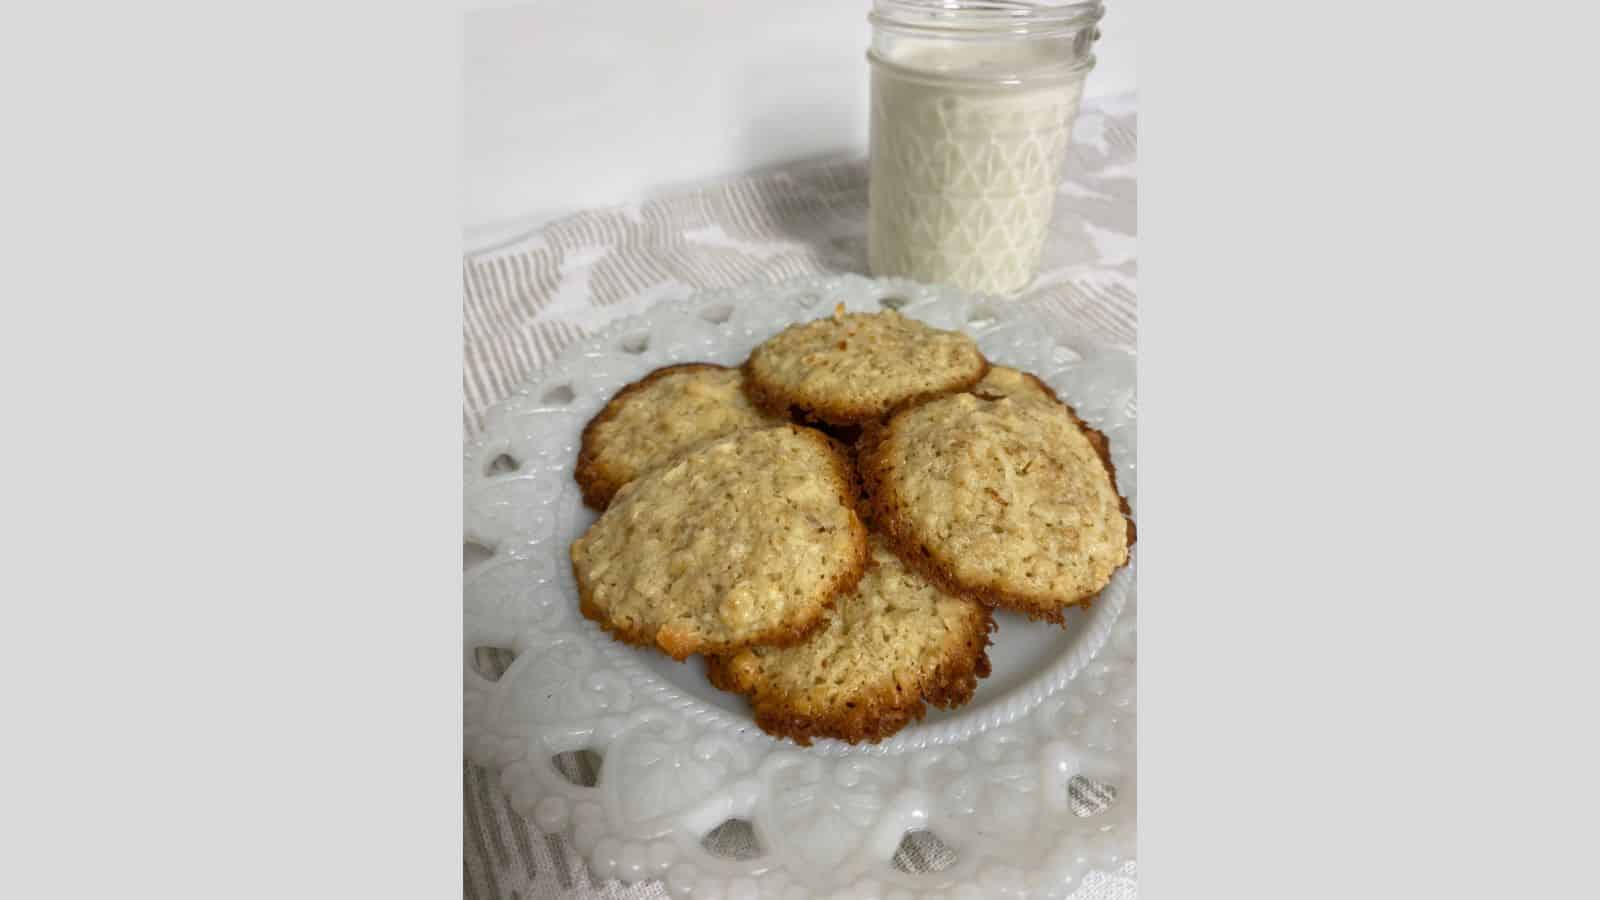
972 109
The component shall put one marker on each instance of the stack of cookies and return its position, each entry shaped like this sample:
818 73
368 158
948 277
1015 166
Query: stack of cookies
832 525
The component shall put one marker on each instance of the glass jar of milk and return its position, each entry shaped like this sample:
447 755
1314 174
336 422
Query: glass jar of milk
972 110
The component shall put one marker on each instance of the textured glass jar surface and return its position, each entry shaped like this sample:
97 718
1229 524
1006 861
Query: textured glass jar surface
963 179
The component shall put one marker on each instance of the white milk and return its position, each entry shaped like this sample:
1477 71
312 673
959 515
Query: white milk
963 177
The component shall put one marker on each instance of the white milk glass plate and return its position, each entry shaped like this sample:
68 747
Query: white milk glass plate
1002 782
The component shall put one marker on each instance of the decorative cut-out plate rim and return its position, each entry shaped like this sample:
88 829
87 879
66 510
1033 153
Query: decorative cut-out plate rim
989 780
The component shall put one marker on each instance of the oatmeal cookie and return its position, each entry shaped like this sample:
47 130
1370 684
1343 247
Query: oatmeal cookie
855 367
657 417
744 540
894 644
1007 501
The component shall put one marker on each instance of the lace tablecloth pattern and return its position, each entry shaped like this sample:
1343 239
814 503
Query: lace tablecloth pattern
529 298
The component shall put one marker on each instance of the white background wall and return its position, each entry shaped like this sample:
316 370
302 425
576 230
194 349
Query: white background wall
570 104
